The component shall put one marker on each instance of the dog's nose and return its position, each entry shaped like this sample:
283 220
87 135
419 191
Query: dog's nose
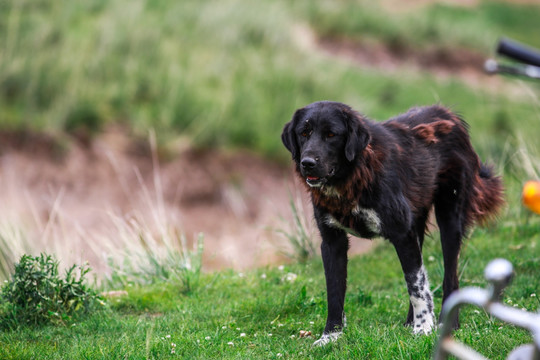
308 163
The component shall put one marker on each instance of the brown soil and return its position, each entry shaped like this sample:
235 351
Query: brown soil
442 63
374 54
70 200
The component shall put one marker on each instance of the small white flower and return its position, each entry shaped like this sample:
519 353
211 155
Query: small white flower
431 258
281 267
230 343
270 334
242 334
293 336
312 322
173 344
533 295
167 336
291 277
241 275
279 354
223 327
207 338
263 276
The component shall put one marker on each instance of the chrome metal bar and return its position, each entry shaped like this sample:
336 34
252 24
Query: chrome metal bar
499 273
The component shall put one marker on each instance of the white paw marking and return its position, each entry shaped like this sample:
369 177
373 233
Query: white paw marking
422 302
328 338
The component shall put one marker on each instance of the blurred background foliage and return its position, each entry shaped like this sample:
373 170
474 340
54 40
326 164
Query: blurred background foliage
230 73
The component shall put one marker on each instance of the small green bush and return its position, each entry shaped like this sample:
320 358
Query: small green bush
37 295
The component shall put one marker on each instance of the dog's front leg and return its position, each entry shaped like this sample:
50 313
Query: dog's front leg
334 246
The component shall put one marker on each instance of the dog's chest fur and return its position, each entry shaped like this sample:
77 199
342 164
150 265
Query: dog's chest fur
346 214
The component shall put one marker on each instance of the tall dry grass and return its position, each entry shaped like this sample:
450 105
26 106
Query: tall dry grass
144 243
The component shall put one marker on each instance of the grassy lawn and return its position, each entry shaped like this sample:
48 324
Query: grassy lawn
259 314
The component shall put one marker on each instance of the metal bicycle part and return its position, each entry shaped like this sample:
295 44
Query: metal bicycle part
499 273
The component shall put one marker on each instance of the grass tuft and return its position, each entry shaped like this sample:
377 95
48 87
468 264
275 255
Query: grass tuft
300 240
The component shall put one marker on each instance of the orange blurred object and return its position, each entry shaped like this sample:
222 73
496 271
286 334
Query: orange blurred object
531 195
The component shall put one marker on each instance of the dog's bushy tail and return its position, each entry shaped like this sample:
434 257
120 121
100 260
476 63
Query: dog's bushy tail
488 195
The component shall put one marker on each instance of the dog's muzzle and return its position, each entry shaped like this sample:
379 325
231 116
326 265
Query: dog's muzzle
310 171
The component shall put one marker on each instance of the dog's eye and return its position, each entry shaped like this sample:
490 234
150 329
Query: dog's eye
306 133
330 134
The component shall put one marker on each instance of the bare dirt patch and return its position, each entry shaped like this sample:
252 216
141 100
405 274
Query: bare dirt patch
443 63
411 5
70 199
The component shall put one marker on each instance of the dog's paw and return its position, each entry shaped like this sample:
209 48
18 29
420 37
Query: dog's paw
424 324
328 338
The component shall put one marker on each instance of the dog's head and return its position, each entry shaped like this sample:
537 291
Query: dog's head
324 138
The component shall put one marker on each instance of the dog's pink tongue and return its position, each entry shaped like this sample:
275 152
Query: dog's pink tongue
311 178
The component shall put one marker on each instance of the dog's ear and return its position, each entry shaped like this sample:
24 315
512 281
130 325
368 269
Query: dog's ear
358 135
289 137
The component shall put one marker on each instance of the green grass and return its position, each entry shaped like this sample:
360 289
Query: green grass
221 306
437 25
259 314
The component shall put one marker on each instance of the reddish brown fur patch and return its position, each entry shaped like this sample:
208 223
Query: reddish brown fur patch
431 132
443 127
425 132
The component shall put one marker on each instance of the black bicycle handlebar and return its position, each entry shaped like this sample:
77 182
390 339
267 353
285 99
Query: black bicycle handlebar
518 51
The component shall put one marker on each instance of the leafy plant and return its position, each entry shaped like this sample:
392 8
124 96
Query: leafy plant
38 295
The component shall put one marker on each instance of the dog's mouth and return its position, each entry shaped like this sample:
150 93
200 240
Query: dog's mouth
315 181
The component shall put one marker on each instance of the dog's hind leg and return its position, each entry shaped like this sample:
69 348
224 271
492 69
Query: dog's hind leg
421 300
334 248
450 221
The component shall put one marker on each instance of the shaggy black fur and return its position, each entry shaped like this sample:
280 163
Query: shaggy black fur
382 179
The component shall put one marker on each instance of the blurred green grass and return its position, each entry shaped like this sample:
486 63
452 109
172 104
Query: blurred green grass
230 73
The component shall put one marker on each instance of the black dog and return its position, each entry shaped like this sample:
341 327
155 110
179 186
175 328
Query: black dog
382 179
